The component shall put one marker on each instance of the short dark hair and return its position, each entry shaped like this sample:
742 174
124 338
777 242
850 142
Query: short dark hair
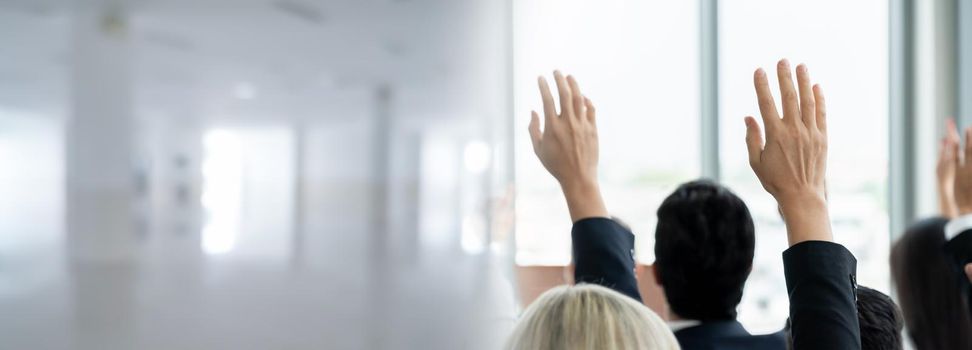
932 302
880 320
704 244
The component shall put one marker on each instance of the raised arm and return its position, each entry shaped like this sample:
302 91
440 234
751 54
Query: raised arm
791 164
567 145
959 230
948 158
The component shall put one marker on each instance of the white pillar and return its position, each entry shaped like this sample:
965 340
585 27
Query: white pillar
300 195
99 139
381 148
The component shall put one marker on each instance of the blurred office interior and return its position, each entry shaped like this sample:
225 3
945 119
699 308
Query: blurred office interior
356 174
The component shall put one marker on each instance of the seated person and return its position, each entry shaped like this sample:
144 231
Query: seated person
820 275
704 245
934 309
589 316
880 320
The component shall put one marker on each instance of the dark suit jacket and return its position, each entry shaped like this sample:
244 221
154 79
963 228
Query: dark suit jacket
727 335
820 279
603 253
960 250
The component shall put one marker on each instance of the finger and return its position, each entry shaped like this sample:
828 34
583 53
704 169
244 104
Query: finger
767 107
788 94
820 108
807 105
549 111
578 98
968 272
591 113
754 141
968 145
943 150
535 134
566 108
953 150
951 131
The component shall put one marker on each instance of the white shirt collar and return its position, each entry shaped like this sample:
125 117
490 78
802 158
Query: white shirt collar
678 325
957 226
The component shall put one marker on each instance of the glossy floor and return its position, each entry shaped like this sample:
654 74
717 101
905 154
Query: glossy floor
332 299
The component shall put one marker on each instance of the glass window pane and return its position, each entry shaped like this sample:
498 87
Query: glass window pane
845 45
627 55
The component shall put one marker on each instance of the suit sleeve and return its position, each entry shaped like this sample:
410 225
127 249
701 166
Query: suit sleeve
603 253
959 248
821 282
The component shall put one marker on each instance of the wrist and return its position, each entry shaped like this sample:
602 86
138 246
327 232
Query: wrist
964 210
947 205
798 199
806 216
579 185
584 200
946 191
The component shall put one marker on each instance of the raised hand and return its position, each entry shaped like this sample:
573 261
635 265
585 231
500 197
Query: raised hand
968 272
948 160
568 146
963 176
792 162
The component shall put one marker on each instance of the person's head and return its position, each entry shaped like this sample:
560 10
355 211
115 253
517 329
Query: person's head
880 320
935 311
704 244
588 316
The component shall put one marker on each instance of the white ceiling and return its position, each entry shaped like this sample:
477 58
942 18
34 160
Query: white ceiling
306 59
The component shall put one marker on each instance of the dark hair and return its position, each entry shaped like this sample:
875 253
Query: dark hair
704 246
880 320
934 308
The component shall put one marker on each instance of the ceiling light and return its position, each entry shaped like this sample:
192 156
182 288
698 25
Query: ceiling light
245 91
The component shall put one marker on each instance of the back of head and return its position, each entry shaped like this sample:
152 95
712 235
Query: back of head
880 320
589 317
704 246
932 303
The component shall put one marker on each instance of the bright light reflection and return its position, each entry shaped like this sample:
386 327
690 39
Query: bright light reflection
477 156
473 240
221 196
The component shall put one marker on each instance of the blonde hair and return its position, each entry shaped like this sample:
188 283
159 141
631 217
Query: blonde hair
589 316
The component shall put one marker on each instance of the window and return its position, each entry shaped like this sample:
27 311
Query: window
630 56
638 62
845 46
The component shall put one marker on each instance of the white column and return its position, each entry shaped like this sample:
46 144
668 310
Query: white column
300 195
381 143
99 139
964 60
